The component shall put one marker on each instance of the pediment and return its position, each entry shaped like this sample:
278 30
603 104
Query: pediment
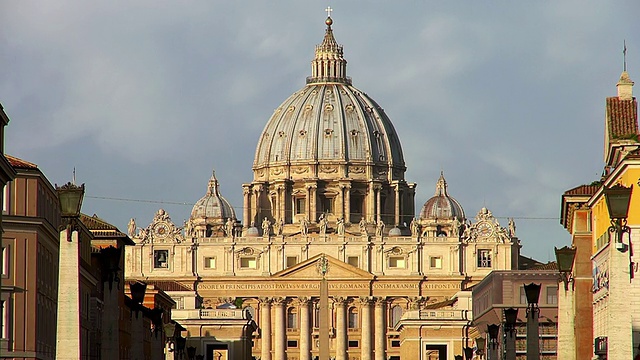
337 270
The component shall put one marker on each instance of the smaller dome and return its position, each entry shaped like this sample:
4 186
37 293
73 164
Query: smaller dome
213 206
442 206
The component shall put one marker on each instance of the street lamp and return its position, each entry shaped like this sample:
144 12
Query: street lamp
481 345
468 353
510 320
70 196
191 352
169 331
493 331
565 257
618 198
110 257
533 336
138 290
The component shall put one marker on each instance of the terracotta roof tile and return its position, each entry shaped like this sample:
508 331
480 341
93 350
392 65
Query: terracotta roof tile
101 228
583 190
622 118
19 163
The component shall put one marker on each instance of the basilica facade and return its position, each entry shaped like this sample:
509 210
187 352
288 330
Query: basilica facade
328 191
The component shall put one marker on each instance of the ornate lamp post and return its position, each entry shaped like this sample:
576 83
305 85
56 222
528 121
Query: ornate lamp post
565 257
618 199
533 311
511 318
169 331
566 309
70 196
69 285
494 331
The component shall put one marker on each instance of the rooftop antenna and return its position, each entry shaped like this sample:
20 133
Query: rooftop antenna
624 55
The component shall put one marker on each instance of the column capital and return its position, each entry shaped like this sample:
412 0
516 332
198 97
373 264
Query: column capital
415 302
380 301
366 300
279 301
340 300
265 300
303 301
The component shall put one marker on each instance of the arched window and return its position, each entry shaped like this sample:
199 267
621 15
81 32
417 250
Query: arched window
292 318
353 318
396 314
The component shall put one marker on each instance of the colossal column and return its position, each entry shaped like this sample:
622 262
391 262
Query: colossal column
380 328
341 328
265 325
305 329
281 331
366 348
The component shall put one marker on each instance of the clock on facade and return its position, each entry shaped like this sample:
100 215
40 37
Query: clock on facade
484 229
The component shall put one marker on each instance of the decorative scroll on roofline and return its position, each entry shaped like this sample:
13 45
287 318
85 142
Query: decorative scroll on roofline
161 230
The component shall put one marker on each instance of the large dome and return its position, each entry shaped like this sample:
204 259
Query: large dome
441 205
329 122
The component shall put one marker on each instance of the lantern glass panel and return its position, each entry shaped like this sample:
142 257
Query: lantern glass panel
533 293
565 257
618 198
511 316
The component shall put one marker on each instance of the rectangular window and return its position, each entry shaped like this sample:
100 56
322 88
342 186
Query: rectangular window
291 261
353 261
397 262
300 205
435 262
552 295
292 343
248 263
161 259
210 262
5 199
484 258
353 343
5 320
327 205
5 261
523 295
395 343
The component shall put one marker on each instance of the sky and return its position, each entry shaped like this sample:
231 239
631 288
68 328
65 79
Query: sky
144 99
